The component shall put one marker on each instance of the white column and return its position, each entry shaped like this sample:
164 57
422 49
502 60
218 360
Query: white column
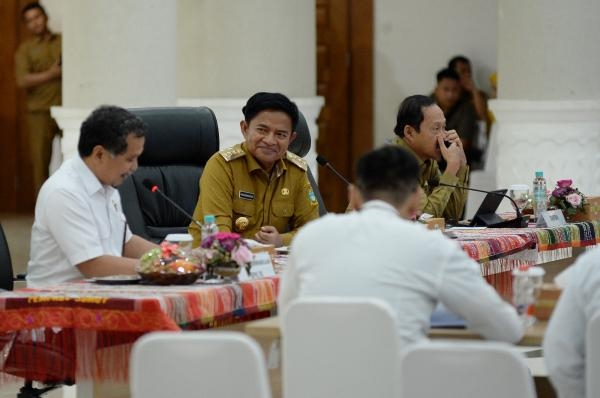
231 49
548 110
118 52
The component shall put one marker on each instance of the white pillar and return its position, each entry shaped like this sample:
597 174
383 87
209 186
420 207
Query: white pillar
231 49
548 111
119 52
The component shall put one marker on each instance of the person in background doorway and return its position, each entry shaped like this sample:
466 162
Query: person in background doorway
460 115
38 71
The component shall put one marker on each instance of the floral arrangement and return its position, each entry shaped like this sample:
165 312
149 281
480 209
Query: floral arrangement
567 198
226 249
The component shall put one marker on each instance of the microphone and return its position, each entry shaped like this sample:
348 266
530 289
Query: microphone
154 188
489 220
325 163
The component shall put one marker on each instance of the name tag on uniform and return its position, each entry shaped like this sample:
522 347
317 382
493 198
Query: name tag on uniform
246 195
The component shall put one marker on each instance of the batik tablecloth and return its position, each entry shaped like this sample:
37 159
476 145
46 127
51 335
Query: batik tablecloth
101 320
500 250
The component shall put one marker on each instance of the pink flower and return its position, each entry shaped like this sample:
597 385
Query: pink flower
574 199
241 255
564 183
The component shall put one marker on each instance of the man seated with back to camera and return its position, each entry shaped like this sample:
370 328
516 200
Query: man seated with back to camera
421 129
258 188
377 252
79 229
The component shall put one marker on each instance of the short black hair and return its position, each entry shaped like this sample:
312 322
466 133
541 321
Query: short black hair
447 73
389 172
109 126
457 59
410 113
32 6
270 101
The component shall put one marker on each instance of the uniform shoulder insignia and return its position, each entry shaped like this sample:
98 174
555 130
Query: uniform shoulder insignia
232 153
297 160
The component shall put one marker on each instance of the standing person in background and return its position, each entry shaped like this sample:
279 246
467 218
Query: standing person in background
461 65
460 115
38 70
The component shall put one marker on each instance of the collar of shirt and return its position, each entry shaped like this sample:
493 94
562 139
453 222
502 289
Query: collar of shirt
253 164
90 182
380 205
39 39
424 165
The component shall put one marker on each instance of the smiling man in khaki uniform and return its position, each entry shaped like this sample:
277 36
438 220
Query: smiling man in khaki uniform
257 188
38 69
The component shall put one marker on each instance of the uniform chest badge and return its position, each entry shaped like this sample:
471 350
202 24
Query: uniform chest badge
246 195
241 223
285 191
312 198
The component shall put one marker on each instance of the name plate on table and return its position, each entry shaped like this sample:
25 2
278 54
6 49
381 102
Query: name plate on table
551 219
260 267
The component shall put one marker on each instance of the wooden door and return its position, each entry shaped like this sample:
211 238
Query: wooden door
345 80
16 193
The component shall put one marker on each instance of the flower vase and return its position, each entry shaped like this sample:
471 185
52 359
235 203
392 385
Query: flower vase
226 269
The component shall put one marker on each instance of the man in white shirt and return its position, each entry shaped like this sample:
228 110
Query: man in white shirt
376 252
79 229
564 341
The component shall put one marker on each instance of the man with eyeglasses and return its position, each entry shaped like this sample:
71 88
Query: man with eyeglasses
79 229
421 129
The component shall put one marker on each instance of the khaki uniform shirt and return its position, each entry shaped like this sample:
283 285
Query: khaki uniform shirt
440 201
34 56
243 197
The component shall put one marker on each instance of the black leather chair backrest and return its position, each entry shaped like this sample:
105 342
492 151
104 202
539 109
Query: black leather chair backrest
6 271
178 144
300 146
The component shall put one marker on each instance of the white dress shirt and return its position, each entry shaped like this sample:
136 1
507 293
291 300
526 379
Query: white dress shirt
564 341
373 252
76 219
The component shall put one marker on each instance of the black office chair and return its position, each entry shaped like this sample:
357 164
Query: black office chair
178 144
6 271
300 146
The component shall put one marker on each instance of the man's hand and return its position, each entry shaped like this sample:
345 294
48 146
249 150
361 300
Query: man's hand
55 71
468 84
454 155
269 235
35 79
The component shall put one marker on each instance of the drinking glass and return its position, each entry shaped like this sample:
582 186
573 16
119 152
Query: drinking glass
520 194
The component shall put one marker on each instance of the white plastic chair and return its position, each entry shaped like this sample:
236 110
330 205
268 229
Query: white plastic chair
339 347
201 364
464 370
592 357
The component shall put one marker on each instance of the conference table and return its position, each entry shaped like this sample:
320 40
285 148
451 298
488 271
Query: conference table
93 326
97 324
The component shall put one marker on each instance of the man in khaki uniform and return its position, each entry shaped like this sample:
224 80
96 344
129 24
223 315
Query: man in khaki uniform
38 70
257 188
421 128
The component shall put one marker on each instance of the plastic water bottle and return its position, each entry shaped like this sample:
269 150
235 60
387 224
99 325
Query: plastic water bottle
527 282
209 227
539 194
